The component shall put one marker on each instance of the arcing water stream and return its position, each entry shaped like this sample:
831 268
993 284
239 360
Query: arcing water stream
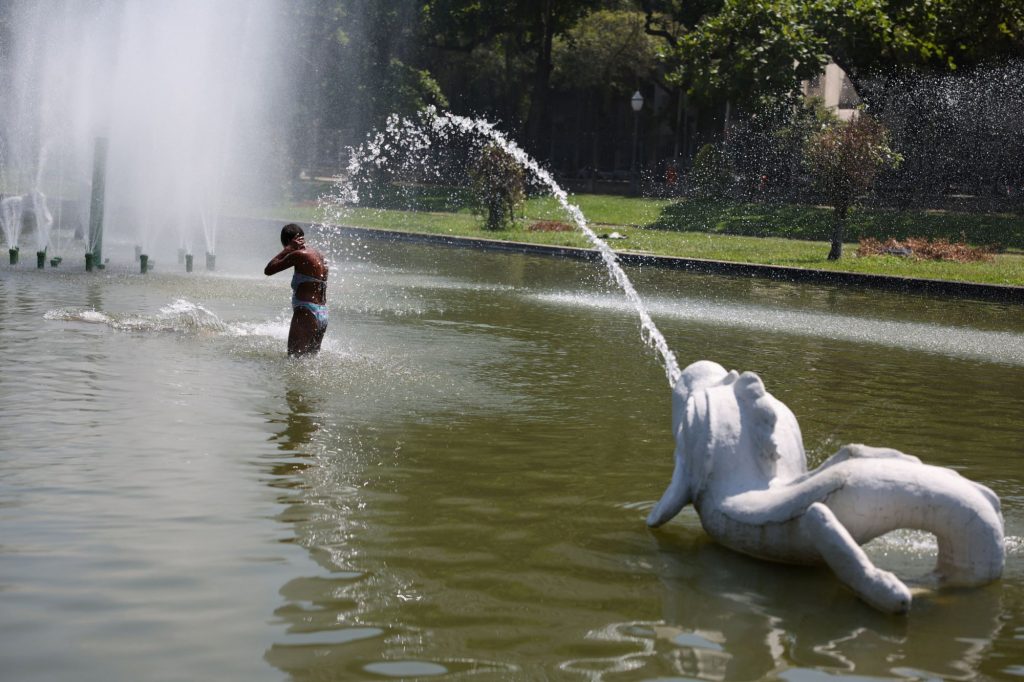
410 137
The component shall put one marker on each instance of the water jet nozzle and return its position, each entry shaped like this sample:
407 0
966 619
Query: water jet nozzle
211 261
41 259
143 263
88 262
13 253
188 262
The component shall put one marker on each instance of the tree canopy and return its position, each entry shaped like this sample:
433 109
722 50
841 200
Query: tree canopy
745 49
607 49
515 62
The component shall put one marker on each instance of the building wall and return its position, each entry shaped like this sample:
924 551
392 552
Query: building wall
836 90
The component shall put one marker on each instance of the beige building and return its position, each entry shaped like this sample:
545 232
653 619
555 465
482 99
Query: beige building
836 90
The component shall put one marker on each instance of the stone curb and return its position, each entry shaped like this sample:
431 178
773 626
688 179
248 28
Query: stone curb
935 287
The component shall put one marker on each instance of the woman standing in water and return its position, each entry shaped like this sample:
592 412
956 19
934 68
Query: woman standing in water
309 290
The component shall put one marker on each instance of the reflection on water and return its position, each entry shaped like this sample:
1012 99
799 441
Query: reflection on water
755 621
456 487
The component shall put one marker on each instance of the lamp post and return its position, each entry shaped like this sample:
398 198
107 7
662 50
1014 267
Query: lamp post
637 102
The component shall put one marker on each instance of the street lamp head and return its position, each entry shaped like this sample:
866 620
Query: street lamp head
637 101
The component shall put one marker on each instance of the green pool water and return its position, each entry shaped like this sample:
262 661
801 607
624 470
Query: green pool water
456 487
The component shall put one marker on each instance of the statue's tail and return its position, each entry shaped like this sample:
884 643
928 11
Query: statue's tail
964 516
972 549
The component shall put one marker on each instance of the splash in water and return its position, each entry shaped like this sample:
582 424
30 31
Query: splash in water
180 316
404 139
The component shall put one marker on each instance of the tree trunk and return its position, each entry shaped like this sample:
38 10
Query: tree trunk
838 230
495 212
538 116
511 95
595 141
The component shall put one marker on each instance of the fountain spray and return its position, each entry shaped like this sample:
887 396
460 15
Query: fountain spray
415 137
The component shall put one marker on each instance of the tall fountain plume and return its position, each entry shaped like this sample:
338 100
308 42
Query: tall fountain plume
180 91
409 138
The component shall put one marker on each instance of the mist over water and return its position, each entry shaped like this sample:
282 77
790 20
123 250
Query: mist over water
183 92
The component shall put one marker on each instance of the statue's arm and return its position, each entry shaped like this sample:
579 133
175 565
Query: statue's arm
783 502
675 497
881 589
789 499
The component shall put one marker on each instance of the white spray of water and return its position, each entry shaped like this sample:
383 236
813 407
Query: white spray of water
180 316
10 219
182 91
414 137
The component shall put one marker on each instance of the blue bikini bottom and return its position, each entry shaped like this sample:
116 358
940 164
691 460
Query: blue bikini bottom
319 312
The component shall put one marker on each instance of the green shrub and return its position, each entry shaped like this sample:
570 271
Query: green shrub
498 182
844 158
711 173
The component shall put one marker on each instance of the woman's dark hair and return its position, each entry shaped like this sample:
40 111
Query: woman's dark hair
290 232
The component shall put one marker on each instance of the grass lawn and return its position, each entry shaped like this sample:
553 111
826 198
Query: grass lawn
729 231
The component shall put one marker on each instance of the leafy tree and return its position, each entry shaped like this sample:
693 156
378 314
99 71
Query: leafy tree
746 49
499 186
526 27
844 158
607 50
602 60
711 173
361 61
765 147
750 50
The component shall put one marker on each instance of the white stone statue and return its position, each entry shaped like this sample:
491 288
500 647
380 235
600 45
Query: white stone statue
740 461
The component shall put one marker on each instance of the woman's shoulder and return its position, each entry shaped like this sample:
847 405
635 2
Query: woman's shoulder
312 263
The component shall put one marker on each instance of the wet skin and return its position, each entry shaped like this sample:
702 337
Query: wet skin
304 336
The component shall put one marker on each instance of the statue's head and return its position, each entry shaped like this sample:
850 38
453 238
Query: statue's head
729 432
721 415
773 434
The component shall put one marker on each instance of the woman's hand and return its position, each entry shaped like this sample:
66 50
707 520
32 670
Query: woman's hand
281 261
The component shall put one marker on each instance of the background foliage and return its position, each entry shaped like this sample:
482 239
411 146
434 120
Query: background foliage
942 76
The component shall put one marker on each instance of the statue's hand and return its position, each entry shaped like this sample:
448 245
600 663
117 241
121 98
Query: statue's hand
885 591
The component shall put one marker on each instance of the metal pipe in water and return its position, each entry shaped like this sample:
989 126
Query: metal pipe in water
99 182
